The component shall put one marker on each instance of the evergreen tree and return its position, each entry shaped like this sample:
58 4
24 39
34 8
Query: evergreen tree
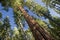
39 10
31 23
18 19
0 15
38 32
1 25
6 28
52 4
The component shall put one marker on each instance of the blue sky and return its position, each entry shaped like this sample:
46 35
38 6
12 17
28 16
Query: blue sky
52 12
10 14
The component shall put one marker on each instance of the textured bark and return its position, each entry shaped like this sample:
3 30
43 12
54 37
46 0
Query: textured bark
37 31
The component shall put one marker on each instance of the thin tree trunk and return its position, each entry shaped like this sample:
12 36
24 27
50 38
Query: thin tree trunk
37 31
21 29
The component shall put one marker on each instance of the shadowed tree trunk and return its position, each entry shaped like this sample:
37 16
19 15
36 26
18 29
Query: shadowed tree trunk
38 32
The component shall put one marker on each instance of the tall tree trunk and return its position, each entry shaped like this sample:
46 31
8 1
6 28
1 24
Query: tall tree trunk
38 32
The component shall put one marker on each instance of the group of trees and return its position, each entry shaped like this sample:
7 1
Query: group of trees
4 28
40 29
18 33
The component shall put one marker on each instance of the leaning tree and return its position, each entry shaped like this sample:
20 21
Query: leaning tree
38 32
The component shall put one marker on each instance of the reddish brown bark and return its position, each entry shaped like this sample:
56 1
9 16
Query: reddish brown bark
37 31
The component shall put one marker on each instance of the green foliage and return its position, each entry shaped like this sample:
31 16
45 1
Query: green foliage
16 3
18 20
42 24
47 2
55 30
58 11
0 15
5 29
18 16
1 23
41 11
56 19
6 22
3 2
52 4
38 9
29 35
56 2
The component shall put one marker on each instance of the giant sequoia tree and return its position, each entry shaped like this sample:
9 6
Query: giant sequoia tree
38 32
36 29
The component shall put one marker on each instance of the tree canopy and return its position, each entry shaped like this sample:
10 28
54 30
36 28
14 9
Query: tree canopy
38 28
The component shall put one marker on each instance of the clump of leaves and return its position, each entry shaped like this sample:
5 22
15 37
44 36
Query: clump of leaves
0 15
